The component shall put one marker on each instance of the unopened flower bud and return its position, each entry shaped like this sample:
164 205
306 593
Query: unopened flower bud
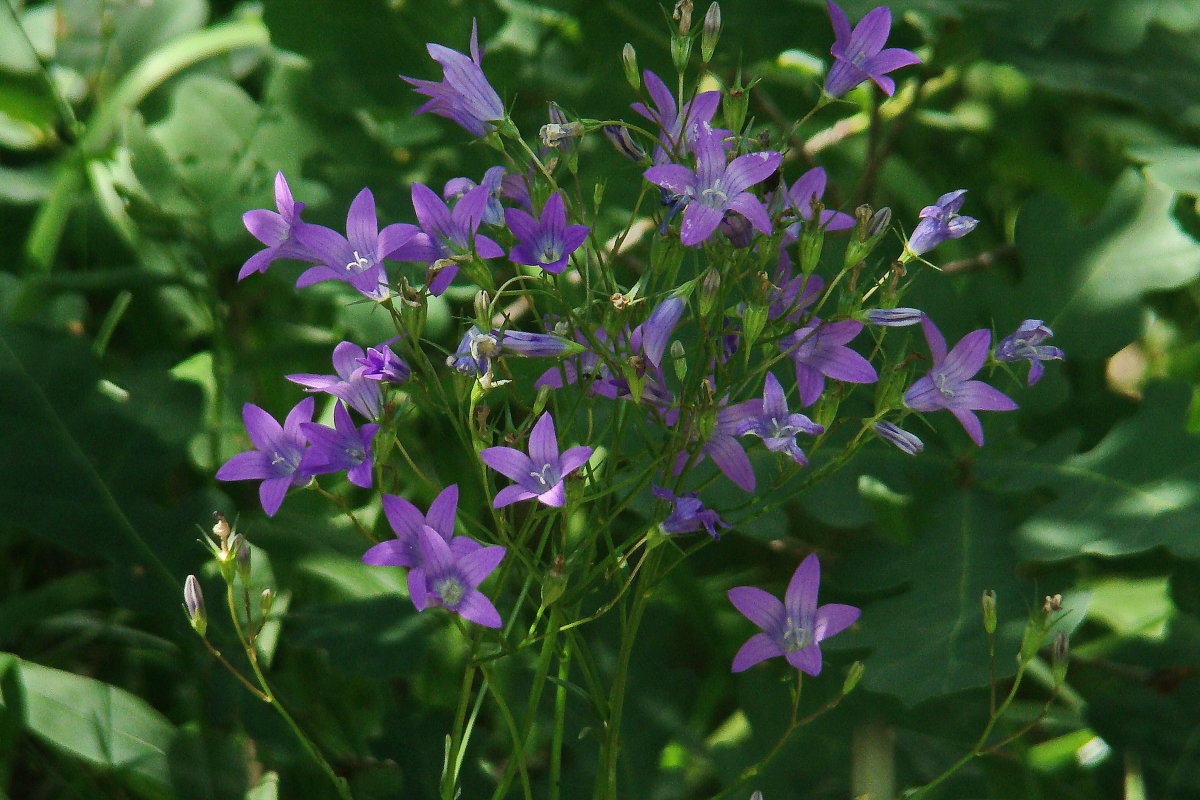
193 603
557 115
754 319
678 360
623 141
555 583
1031 639
988 602
242 558
630 64
483 309
711 32
265 601
735 102
879 222
870 226
1059 656
681 51
853 677
710 288
893 317
811 242
897 437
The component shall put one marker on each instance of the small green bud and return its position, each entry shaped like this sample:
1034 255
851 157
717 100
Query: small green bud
988 601
242 559
870 228
681 51
193 604
811 242
678 361
853 677
265 601
754 319
629 62
735 102
227 557
711 32
1060 652
483 310
710 288
1031 639
555 583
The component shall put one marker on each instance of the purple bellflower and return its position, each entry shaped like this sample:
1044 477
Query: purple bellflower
447 234
776 426
679 126
381 364
493 179
451 579
819 351
688 514
342 447
277 454
948 383
464 94
356 258
1025 344
548 242
939 222
539 474
794 628
351 384
716 186
799 198
275 230
859 55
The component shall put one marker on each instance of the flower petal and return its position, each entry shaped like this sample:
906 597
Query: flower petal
760 607
442 511
543 444
476 566
833 618
477 608
508 461
806 659
800 600
392 553
758 647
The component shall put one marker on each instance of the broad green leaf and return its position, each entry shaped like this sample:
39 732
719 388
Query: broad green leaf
1174 166
99 724
207 765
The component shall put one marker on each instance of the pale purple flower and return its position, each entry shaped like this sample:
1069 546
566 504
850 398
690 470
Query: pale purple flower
446 234
859 55
342 447
493 179
547 242
356 258
381 364
716 186
451 579
948 383
722 445
277 454
939 222
678 127
799 198
351 384
1025 344
464 94
655 332
893 317
897 437
688 514
539 474
794 628
275 230
776 425
819 351
794 293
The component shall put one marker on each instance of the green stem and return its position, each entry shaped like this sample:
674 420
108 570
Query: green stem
560 715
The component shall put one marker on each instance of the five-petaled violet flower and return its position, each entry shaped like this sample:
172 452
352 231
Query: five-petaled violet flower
464 94
277 454
778 427
716 186
688 514
799 198
819 351
948 383
275 230
448 578
678 126
859 55
939 222
1025 344
548 242
356 258
539 474
353 384
794 628
342 447
446 235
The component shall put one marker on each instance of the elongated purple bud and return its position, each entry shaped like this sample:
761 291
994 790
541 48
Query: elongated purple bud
537 345
658 327
193 603
626 146
711 32
899 438
893 317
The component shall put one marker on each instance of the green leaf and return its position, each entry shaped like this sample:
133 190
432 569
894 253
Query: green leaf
1174 166
1136 490
99 724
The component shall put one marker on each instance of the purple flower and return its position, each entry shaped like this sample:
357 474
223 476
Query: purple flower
351 384
859 54
939 222
342 447
808 188
464 94
475 352
679 127
656 330
539 474
794 295
447 234
898 438
448 578
776 426
819 351
381 364
356 258
277 454
493 179
794 628
406 521
722 446
548 242
893 317
1025 343
688 514
948 383
275 230
716 186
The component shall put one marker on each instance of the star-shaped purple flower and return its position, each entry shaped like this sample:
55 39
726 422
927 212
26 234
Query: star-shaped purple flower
356 258
275 230
447 234
342 447
451 579
678 126
464 94
948 383
859 54
547 242
819 351
688 514
777 426
799 198
352 384
716 186
277 454
939 222
539 474
1025 344
794 628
